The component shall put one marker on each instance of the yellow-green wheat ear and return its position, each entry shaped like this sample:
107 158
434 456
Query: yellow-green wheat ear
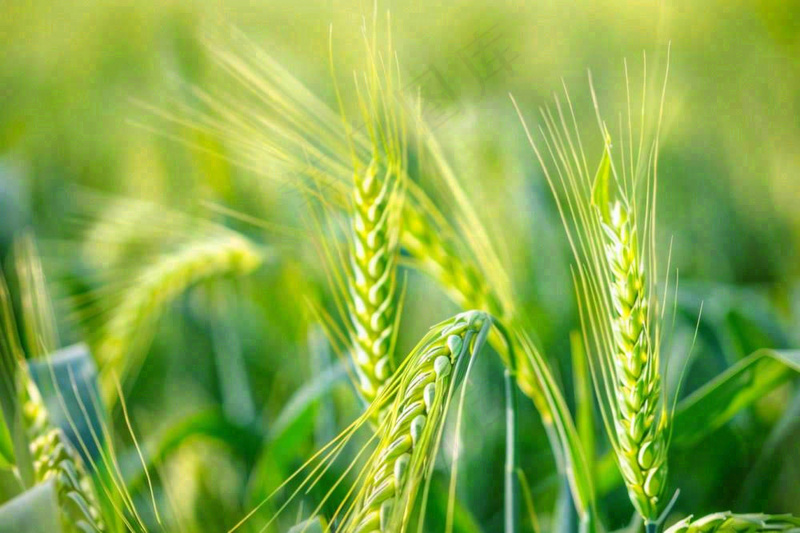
373 279
640 423
377 202
736 523
55 458
222 253
411 431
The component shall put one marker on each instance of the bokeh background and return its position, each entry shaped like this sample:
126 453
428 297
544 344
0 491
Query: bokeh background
74 75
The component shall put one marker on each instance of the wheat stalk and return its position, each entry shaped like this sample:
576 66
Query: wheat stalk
410 435
727 522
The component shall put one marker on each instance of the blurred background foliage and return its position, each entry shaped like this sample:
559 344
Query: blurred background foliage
72 79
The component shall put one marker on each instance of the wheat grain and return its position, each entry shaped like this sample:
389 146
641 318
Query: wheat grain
736 523
409 436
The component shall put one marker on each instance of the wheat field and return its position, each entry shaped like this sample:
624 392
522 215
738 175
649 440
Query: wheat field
379 267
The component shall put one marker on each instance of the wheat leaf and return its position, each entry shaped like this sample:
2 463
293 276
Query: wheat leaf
722 398
33 511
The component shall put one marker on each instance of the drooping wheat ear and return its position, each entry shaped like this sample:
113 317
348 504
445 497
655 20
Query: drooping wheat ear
223 253
55 458
375 222
452 258
737 523
404 441
410 435
609 217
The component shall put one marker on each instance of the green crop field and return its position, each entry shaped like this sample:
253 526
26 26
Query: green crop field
362 267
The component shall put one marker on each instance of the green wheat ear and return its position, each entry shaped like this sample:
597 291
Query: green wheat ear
373 280
411 432
639 417
132 311
377 202
55 458
736 523
609 217
401 453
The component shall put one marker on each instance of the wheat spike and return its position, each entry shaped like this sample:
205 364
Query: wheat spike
404 443
410 435
435 252
727 522
437 256
55 458
640 420
377 202
373 259
609 218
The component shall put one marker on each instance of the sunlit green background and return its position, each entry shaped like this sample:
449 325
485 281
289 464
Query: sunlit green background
73 75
